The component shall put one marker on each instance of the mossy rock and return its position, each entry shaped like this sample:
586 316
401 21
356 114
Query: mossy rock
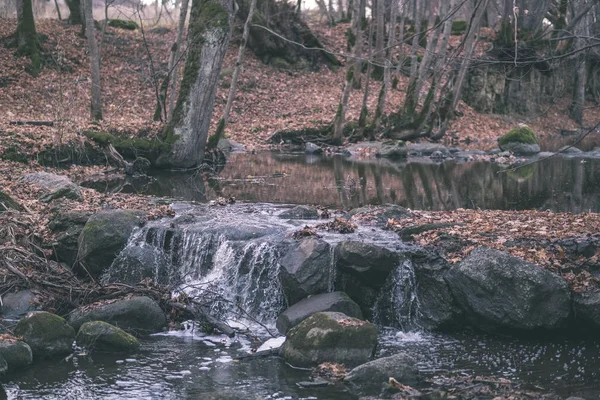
17 353
522 174
47 334
459 27
7 202
520 140
123 24
102 336
330 337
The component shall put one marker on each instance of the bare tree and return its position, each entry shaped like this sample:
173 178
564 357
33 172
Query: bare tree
385 87
26 36
96 106
208 38
175 54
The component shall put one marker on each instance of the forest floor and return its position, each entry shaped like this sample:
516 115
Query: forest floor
268 100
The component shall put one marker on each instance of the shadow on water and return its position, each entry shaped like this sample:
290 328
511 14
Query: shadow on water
557 184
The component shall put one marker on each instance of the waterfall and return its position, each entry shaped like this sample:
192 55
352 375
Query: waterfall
397 303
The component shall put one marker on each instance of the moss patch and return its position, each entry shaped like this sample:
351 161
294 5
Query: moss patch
105 337
459 27
520 134
123 24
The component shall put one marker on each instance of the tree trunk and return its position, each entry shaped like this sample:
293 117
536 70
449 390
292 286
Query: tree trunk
236 72
340 115
208 37
330 14
96 106
385 87
379 40
75 12
174 60
410 102
358 40
364 112
57 10
577 105
26 34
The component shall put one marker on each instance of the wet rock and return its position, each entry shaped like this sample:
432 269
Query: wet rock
16 305
427 149
104 235
311 148
3 369
393 151
305 269
371 377
68 227
53 186
520 140
16 353
230 145
371 263
498 292
47 334
437 155
7 203
300 212
137 263
587 308
334 301
569 150
101 336
330 337
437 308
137 315
379 214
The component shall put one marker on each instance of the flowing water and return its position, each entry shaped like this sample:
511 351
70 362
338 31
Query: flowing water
231 253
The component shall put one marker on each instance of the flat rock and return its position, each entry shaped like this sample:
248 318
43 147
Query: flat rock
18 304
427 149
300 212
371 377
53 186
334 301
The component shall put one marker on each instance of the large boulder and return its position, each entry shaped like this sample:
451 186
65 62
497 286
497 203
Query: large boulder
330 337
586 307
17 304
17 353
520 140
104 235
362 270
101 336
53 186
437 308
137 315
47 334
67 227
305 269
499 292
371 377
136 263
334 301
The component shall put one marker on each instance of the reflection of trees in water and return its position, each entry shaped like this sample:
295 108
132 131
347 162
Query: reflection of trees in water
557 184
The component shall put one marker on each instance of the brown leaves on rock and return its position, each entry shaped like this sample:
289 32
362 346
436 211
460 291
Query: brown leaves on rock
329 371
338 225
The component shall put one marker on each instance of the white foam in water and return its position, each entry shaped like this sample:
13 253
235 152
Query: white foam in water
224 359
413 336
273 343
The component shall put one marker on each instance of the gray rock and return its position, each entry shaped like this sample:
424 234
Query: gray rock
334 301
67 227
17 353
3 369
569 150
379 214
587 308
330 337
370 262
230 145
311 148
371 377
437 155
101 336
300 212
47 334
16 305
53 186
521 148
137 315
104 235
499 292
136 263
392 151
427 149
305 269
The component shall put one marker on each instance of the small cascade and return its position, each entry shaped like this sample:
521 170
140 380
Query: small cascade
397 303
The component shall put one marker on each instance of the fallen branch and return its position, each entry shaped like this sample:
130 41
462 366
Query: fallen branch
34 123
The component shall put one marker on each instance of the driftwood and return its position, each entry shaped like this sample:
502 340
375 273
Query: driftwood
34 123
138 166
198 313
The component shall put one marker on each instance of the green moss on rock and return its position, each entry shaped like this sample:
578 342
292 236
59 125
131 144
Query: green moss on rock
459 27
102 336
123 24
47 334
520 134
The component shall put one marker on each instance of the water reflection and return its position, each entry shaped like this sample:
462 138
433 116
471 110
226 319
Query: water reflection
557 184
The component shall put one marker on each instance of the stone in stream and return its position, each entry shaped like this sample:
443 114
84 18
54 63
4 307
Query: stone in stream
520 140
3 369
17 353
15 305
101 336
136 263
300 212
499 292
334 301
311 148
586 307
330 337
53 186
137 315
104 235
371 377
305 269
47 334
67 226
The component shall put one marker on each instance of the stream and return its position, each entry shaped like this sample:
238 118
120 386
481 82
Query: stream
233 251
